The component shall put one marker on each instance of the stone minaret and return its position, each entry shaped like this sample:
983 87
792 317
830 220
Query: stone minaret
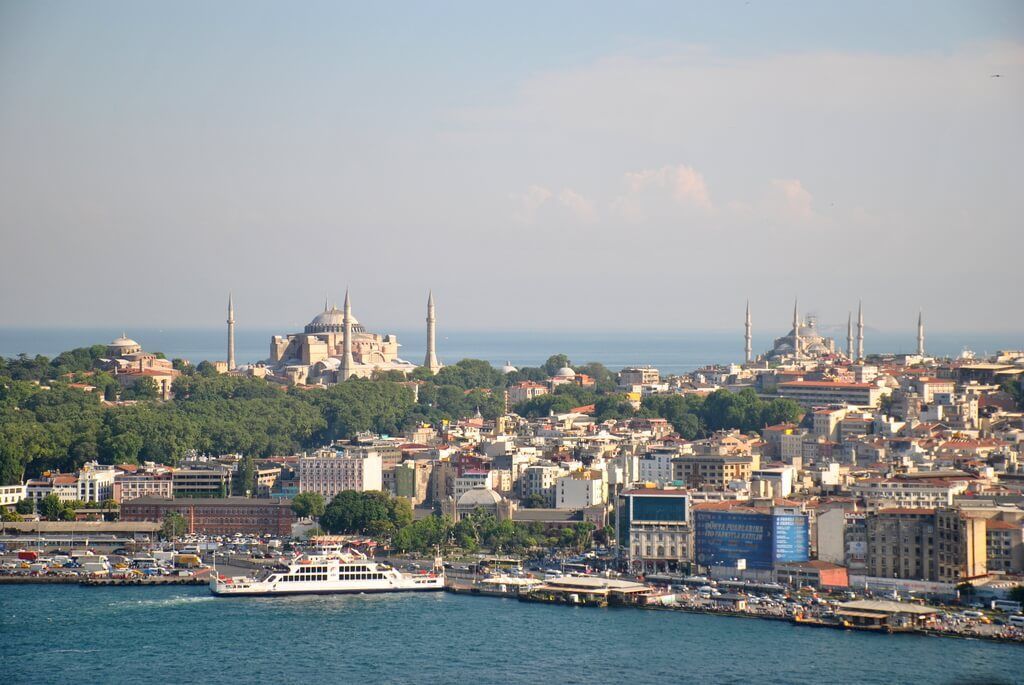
431 363
796 329
747 337
849 335
920 334
347 365
231 333
860 331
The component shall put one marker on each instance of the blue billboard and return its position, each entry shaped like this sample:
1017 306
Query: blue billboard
722 538
791 538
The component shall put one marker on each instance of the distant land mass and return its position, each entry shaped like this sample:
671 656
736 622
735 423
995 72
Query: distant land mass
670 352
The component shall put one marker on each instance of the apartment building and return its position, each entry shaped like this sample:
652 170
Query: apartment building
712 472
329 473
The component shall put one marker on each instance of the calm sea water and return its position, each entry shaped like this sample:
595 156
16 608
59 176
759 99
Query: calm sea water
68 634
670 352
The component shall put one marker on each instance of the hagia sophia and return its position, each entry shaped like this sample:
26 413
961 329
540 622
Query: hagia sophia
334 347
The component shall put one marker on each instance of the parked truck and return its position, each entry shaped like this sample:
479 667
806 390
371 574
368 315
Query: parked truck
187 561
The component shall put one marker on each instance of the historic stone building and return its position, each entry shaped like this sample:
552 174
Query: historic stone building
334 346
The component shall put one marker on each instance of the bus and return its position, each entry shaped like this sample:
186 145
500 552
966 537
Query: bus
1007 606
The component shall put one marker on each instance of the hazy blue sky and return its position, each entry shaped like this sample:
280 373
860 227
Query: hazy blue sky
568 165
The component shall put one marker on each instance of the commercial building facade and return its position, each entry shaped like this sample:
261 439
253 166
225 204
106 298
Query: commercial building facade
653 527
940 545
217 516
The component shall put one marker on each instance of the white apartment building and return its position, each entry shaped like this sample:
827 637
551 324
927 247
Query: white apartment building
791 445
329 474
780 479
129 486
96 482
527 390
11 495
826 423
64 485
476 479
885 493
656 466
539 479
579 490
638 376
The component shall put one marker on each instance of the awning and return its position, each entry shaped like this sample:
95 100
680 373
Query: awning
862 614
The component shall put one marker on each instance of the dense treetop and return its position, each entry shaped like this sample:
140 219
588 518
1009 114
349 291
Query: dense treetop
48 422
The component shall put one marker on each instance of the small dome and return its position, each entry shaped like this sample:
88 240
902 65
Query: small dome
565 372
479 496
508 368
123 342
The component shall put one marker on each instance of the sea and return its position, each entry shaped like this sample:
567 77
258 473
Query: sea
669 352
176 634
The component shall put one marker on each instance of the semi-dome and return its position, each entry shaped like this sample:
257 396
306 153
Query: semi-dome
565 372
508 368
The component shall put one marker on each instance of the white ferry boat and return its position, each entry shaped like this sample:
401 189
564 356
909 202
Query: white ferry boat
327 571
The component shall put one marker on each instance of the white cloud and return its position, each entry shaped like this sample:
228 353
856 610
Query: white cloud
647 190
528 202
796 201
576 204
537 198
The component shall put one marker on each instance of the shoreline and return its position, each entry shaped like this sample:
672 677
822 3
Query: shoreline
195 582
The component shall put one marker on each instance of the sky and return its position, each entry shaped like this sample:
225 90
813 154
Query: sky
541 166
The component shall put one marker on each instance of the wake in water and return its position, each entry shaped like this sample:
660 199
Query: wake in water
164 602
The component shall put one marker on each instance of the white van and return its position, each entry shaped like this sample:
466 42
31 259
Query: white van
1016 620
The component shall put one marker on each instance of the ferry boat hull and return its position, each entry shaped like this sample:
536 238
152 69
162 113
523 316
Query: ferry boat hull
239 588
327 572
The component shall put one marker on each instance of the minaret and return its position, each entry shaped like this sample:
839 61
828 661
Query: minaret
231 333
748 339
849 335
920 334
346 357
430 362
860 331
796 329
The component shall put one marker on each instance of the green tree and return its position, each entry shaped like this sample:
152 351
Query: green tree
143 389
365 512
245 483
556 362
25 506
309 505
173 526
51 508
9 516
534 501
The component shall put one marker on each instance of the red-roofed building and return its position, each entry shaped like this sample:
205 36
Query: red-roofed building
823 393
